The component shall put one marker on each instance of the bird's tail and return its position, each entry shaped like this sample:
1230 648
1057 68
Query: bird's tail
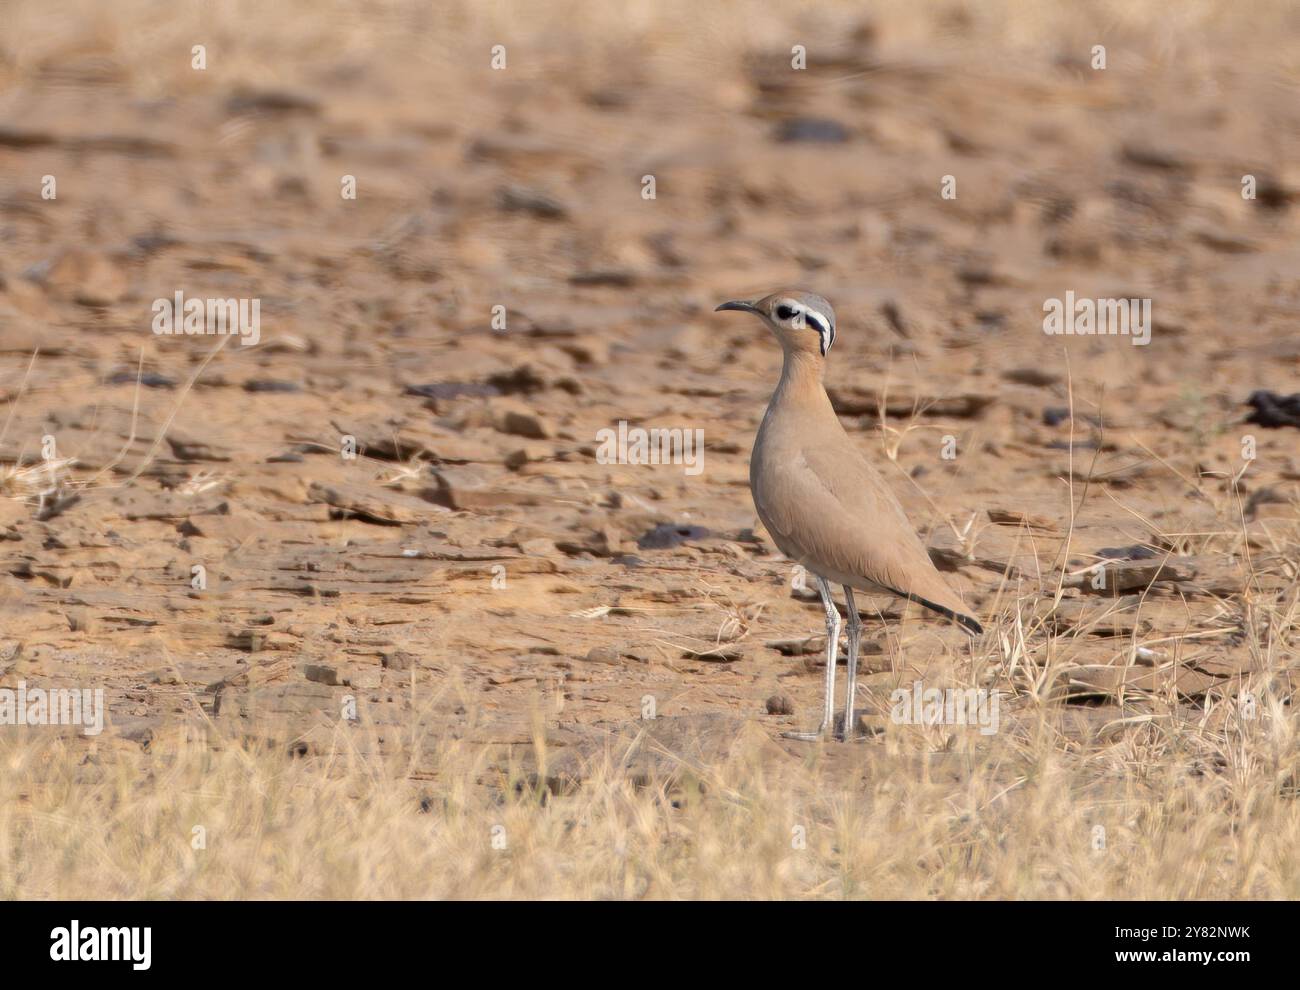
967 622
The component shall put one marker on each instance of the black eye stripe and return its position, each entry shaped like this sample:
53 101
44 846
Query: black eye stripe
825 330
804 317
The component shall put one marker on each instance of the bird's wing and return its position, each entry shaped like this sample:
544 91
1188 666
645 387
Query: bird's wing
827 500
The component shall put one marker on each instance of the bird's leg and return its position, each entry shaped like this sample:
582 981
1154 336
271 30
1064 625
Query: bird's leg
832 647
855 637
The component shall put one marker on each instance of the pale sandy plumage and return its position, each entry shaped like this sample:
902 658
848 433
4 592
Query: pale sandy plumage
824 504
828 508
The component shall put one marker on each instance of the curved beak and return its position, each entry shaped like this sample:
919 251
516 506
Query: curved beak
738 304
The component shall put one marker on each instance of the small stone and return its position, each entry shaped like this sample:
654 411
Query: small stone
780 704
540 547
381 506
1037 377
1273 410
615 277
518 419
148 379
603 654
185 448
1123 576
471 487
665 536
321 674
445 392
271 385
1136 551
1015 517
528 454
815 130
523 380
517 199
800 647
397 660
271 101
606 541
522 424
717 654
587 349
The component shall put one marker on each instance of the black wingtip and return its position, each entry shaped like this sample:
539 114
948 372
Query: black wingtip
967 622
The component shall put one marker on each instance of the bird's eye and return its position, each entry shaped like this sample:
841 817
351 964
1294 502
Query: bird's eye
784 312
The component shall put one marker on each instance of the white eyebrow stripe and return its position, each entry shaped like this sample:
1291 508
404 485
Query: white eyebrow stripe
822 322
823 326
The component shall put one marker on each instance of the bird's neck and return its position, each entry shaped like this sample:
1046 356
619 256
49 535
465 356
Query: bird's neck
801 379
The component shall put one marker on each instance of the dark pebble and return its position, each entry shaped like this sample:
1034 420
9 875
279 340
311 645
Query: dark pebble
1272 410
780 704
818 130
666 536
149 379
270 385
1135 552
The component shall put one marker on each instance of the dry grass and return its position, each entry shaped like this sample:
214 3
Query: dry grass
1187 812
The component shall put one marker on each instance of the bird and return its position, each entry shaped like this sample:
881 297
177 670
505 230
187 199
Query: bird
825 505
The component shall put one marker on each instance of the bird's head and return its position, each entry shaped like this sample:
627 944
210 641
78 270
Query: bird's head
801 321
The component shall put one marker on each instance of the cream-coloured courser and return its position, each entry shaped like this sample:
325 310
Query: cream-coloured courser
824 504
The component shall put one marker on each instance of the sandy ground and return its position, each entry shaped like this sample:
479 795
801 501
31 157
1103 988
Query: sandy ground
475 574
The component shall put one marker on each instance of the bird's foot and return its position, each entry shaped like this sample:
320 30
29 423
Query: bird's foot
805 736
823 731
826 733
